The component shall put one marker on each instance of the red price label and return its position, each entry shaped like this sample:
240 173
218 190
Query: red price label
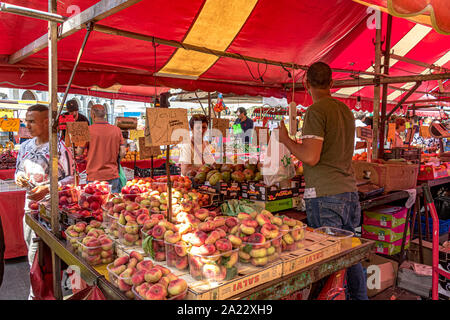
10 125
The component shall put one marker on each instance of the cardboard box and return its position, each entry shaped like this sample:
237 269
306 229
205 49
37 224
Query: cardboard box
275 206
259 191
386 270
391 248
390 235
385 216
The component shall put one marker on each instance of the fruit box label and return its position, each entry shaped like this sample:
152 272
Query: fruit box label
282 194
331 248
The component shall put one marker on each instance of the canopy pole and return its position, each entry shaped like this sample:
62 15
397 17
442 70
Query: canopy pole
53 143
376 95
201 105
405 97
31 13
385 85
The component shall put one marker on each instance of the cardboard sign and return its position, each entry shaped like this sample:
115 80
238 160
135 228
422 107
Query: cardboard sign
136 134
391 132
126 123
221 124
78 133
161 123
424 132
10 125
147 152
364 133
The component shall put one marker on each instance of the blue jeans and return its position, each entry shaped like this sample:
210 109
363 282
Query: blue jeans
341 211
114 183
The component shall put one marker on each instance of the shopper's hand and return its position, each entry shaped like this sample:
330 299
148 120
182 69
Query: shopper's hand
283 133
22 181
38 193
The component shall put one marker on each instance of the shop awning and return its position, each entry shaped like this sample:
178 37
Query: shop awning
289 31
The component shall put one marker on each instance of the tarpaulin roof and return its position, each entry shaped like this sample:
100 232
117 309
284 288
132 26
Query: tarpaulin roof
291 31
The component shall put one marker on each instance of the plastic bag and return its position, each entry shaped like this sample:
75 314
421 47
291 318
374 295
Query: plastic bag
41 278
89 293
122 177
278 166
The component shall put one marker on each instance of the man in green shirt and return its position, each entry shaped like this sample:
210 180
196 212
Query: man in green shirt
326 152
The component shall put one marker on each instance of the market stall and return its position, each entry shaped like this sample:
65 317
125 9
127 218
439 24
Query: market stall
198 60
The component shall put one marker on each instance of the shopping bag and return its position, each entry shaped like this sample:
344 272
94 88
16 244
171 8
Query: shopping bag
89 293
41 278
278 166
122 177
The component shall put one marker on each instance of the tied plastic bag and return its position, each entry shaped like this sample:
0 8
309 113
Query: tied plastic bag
278 166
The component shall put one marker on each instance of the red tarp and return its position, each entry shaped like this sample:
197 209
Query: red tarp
292 31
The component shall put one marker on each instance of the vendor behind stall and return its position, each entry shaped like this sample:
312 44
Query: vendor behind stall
72 109
326 152
33 167
104 150
193 160
400 126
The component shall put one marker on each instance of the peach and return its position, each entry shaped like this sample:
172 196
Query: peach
107 244
166 224
207 249
184 228
222 233
142 218
224 245
107 253
164 281
141 289
138 277
123 286
181 263
72 233
261 261
270 231
156 292
171 276
160 256
119 207
198 238
289 221
177 287
164 270
232 261
129 217
231 222
201 214
107 260
206 226
132 263
131 238
250 223
298 234
150 223
284 229
213 237
129 294
258 253
181 248
79 227
158 232
243 216
138 256
235 240
121 261
214 272
270 250
262 219
132 227
144 265
244 255
277 221
234 229
172 237
288 239
119 269
247 230
153 275
127 274
219 221
257 238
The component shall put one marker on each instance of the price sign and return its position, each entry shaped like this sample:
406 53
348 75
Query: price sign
78 132
391 132
364 133
424 132
147 152
136 134
10 125
162 123
221 124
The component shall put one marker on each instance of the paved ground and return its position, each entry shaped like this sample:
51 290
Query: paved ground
16 280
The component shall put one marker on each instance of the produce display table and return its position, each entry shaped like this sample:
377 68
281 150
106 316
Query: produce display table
143 164
11 211
316 267
7 174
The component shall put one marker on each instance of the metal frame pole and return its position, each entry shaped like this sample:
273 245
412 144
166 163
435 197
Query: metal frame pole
53 143
376 95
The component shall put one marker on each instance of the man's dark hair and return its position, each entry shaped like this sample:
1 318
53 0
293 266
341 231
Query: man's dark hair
125 134
197 117
72 105
241 110
38 107
319 75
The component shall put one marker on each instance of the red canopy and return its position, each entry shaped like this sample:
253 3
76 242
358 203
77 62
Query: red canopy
291 31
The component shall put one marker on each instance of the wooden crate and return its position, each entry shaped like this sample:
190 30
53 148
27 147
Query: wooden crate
317 247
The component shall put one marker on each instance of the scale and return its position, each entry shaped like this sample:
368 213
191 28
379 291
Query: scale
365 133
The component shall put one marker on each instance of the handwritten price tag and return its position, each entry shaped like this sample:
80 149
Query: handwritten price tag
10 125
161 123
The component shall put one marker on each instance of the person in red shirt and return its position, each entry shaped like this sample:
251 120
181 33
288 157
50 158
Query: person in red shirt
104 150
